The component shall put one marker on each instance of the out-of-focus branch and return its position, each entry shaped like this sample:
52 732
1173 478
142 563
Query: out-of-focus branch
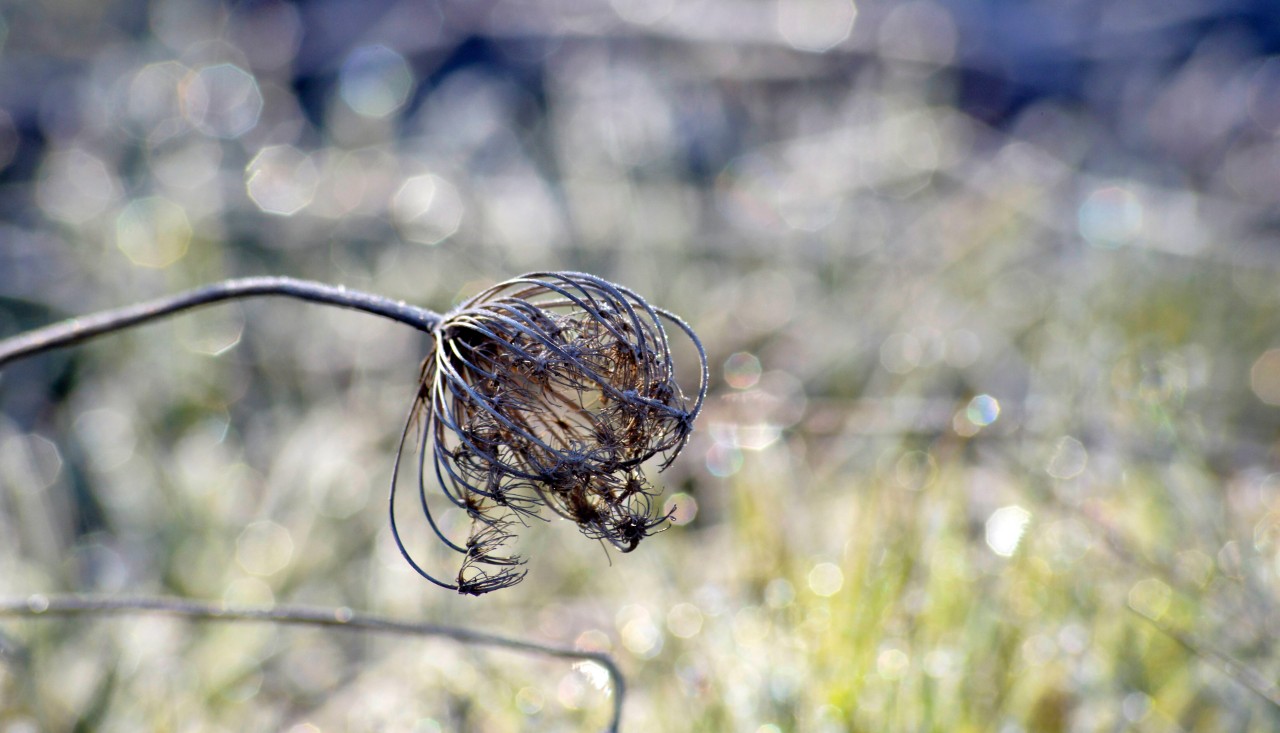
82 328
1225 663
42 606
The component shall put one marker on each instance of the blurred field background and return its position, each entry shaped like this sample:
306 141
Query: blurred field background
989 291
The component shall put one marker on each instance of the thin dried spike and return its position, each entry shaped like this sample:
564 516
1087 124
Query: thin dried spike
558 350
395 531
597 313
462 391
704 375
422 495
628 298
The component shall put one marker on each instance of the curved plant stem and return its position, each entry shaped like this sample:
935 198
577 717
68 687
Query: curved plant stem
75 330
42 606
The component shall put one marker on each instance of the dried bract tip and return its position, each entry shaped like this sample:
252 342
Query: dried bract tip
549 391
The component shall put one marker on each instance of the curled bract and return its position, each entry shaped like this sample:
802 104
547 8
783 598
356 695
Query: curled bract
547 391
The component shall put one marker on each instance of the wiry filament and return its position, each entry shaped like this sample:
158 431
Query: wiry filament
548 390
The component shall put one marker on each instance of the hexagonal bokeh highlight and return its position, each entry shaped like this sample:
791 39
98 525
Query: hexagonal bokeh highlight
281 180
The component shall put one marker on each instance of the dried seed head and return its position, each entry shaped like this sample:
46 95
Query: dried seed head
549 390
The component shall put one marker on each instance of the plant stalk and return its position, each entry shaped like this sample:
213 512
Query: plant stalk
81 328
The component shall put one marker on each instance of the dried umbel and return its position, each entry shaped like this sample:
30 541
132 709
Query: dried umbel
547 391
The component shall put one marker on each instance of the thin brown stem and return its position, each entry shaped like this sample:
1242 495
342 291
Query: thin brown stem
82 328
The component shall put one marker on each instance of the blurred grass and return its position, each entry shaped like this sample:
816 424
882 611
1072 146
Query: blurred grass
866 248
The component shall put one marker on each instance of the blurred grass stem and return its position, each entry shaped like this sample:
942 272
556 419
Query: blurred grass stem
1236 670
82 328
42 606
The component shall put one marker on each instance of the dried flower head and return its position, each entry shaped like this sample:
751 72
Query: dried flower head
548 391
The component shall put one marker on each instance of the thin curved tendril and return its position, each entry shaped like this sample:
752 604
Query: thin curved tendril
395 531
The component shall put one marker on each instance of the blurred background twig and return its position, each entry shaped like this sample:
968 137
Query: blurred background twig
39 606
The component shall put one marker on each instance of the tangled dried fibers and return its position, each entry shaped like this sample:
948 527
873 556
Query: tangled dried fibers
547 391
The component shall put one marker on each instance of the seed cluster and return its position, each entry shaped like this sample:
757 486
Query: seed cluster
548 390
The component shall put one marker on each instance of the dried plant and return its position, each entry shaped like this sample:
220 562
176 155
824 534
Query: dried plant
548 390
